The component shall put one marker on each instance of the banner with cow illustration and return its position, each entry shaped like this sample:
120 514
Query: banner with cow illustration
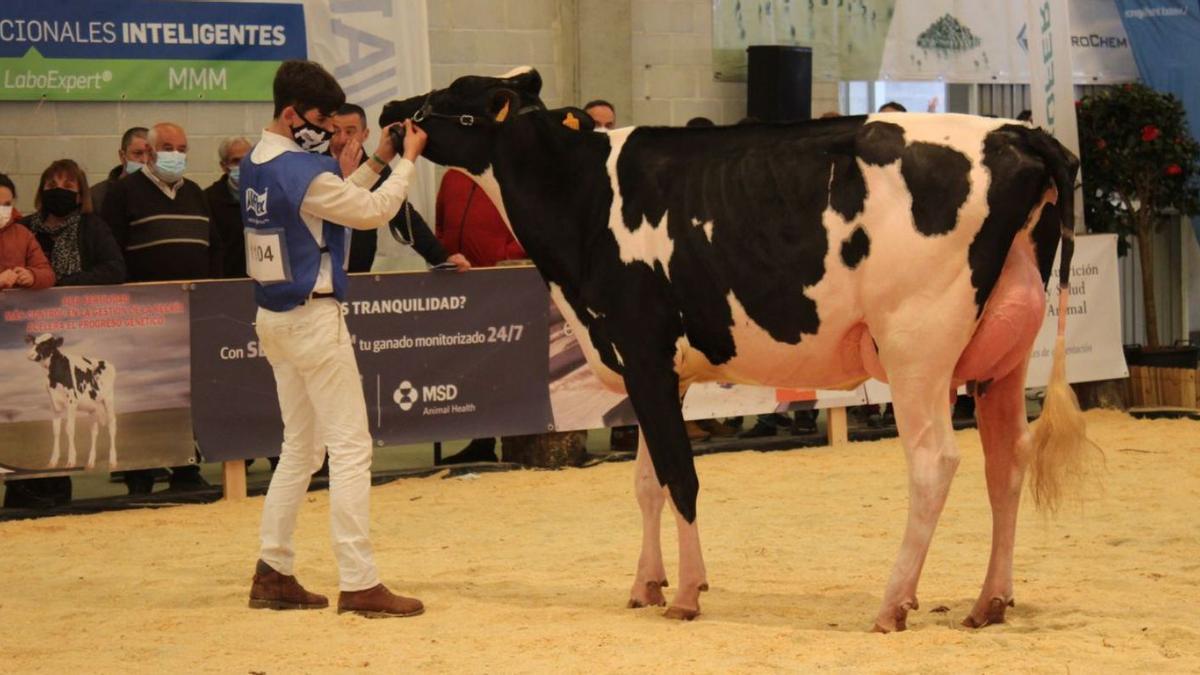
94 378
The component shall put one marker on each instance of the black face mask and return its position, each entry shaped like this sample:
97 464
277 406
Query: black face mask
60 202
311 138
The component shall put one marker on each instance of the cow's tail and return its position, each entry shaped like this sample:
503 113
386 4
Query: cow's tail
1060 452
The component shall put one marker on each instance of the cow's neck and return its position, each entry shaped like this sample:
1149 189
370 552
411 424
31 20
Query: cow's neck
549 178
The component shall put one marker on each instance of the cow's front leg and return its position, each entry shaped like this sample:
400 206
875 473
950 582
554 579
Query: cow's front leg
923 418
654 390
70 434
56 427
651 575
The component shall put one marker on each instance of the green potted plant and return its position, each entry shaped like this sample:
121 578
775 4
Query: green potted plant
1139 165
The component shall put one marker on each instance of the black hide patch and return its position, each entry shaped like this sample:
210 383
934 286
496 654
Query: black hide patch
60 371
1046 234
1018 178
880 143
847 189
856 247
938 179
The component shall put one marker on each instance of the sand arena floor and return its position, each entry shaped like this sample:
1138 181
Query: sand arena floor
529 572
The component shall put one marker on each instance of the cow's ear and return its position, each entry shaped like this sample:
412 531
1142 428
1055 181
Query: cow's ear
58 341
28 339
503 105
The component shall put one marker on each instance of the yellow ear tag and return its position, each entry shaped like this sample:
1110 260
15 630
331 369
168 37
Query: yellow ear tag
571 121
503 114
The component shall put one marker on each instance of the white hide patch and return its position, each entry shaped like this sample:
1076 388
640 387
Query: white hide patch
519 70
649 243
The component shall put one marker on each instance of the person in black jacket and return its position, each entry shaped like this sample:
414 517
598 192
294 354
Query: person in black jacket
78 244
226 210
350 127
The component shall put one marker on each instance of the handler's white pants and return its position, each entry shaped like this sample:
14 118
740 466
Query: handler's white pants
321 400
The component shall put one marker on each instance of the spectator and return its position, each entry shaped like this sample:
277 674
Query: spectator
892 106
79 245
350 130
1025 116
134 153
468 223
22 263
700 122
162 223
226 211
19 250
602 113
830 114
160 219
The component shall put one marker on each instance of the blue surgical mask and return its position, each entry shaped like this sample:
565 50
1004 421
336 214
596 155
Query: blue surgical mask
235 174
170 165
133 167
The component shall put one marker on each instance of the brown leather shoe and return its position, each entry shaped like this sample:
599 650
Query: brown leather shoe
378 602
272 590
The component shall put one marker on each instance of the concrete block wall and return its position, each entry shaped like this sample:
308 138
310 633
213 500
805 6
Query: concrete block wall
672 68
490 37
32 135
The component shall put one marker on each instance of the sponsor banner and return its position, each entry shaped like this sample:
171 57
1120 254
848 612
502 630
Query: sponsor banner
136 50
581 401
1094 349
951 40
93 374
442 355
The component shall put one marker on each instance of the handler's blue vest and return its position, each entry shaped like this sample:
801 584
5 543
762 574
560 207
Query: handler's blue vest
270 196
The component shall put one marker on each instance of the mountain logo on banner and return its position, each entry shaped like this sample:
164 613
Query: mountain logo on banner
406 396
1022 41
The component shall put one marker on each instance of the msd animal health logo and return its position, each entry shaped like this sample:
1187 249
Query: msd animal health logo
408 395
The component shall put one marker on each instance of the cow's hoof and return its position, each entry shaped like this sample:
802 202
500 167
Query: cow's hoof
992 615
899 618
648 595
681 613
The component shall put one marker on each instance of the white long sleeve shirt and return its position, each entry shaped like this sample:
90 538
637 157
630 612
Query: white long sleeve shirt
349 202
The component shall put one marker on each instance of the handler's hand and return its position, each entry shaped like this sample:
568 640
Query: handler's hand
414 140
348 159
460 262
8 279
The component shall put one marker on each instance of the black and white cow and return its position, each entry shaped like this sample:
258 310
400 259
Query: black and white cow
912 248
77 383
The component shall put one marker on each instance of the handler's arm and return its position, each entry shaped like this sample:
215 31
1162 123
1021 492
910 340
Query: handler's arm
351 202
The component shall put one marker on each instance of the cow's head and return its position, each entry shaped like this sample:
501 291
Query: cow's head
462 120
42 347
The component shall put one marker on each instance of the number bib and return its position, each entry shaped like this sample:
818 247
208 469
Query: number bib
266 256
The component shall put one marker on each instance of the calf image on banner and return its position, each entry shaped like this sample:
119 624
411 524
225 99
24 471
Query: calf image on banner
94 378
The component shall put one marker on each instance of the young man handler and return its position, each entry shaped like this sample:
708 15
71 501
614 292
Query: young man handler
297 210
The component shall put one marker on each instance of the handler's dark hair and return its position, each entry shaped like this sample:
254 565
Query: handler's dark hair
5 181
306 85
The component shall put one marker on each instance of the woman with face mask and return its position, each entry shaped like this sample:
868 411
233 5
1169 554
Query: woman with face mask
22 263
80 247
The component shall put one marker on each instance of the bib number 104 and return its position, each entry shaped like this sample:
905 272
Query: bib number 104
262 253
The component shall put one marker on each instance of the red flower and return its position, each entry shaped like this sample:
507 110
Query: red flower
1128 87
1174 170
1150 132
1100 144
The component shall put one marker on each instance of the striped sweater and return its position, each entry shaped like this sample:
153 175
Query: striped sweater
163 238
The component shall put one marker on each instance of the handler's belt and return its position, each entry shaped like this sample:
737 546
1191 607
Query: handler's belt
316 296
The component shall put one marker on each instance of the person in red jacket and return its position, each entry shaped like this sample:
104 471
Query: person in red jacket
22 263
468 223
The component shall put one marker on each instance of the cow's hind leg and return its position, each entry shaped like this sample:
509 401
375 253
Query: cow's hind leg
655 393
91 463
651 575
923 418
1000 410
110 416
71 411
